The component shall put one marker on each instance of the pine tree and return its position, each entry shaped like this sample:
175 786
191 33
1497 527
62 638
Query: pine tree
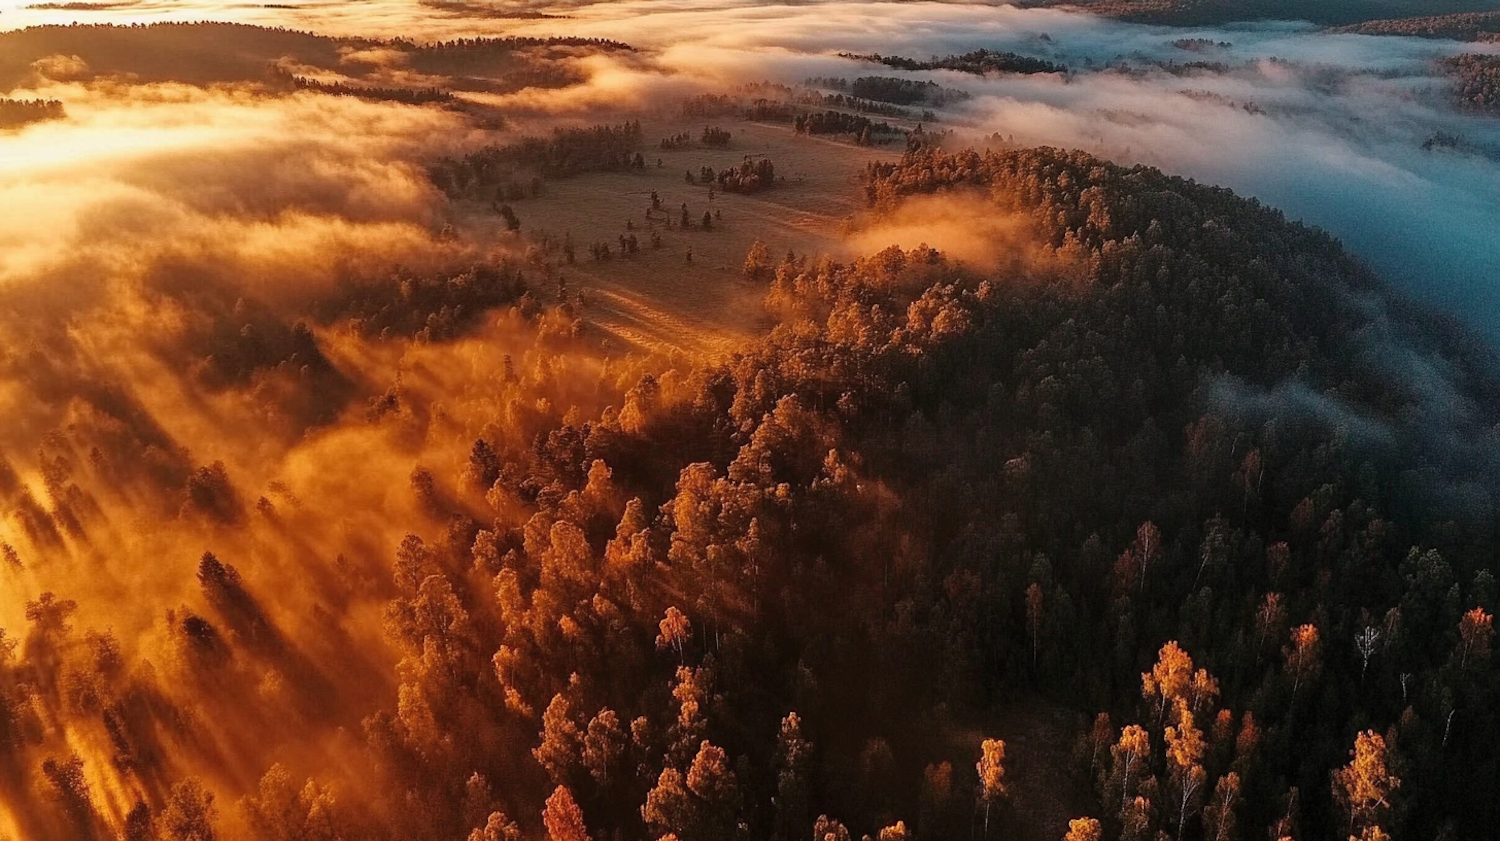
563 818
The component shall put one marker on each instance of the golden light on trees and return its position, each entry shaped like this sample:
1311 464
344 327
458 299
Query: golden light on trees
1219 816
675 632
1084 829
1364 786
1303 655
1474 633
562 817
1184 741
1132 754
991 770
1170 678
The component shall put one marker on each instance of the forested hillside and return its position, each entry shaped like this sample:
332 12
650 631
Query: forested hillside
1179 467
1328 12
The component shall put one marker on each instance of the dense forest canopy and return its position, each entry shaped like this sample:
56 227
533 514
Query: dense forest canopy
1476 84
978 62
15 113
221 53
1471 26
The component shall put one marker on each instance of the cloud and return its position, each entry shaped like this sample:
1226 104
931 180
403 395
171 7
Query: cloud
1294 401
962 226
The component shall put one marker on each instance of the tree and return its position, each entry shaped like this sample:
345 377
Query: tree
210 494
569 569
563 818
1101 736
828 829
757 261
479 799
1269 619
1184 741
280 811
991 768
558 754
1364 786
717 791
139 824
1474 633
72 790
1130 754
936 796
1135 819
190 813
676 631
512 222
1170 679
669 806
483 469
1184 752
51 614
1366 642
1084 829
1218 815
1146 547
497 828
793 770
1284 827
1034 617
1302 656
603 745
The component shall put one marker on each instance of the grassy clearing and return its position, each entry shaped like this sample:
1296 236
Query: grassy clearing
657 301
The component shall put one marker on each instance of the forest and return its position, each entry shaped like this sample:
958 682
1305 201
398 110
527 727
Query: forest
978 62
837 122
1470 26
571 151
1476 81
225 53
15 113
1177 467
408 96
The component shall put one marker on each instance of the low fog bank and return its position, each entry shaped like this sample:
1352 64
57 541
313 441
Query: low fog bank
155 248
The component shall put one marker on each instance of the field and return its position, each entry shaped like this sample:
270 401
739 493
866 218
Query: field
659 300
